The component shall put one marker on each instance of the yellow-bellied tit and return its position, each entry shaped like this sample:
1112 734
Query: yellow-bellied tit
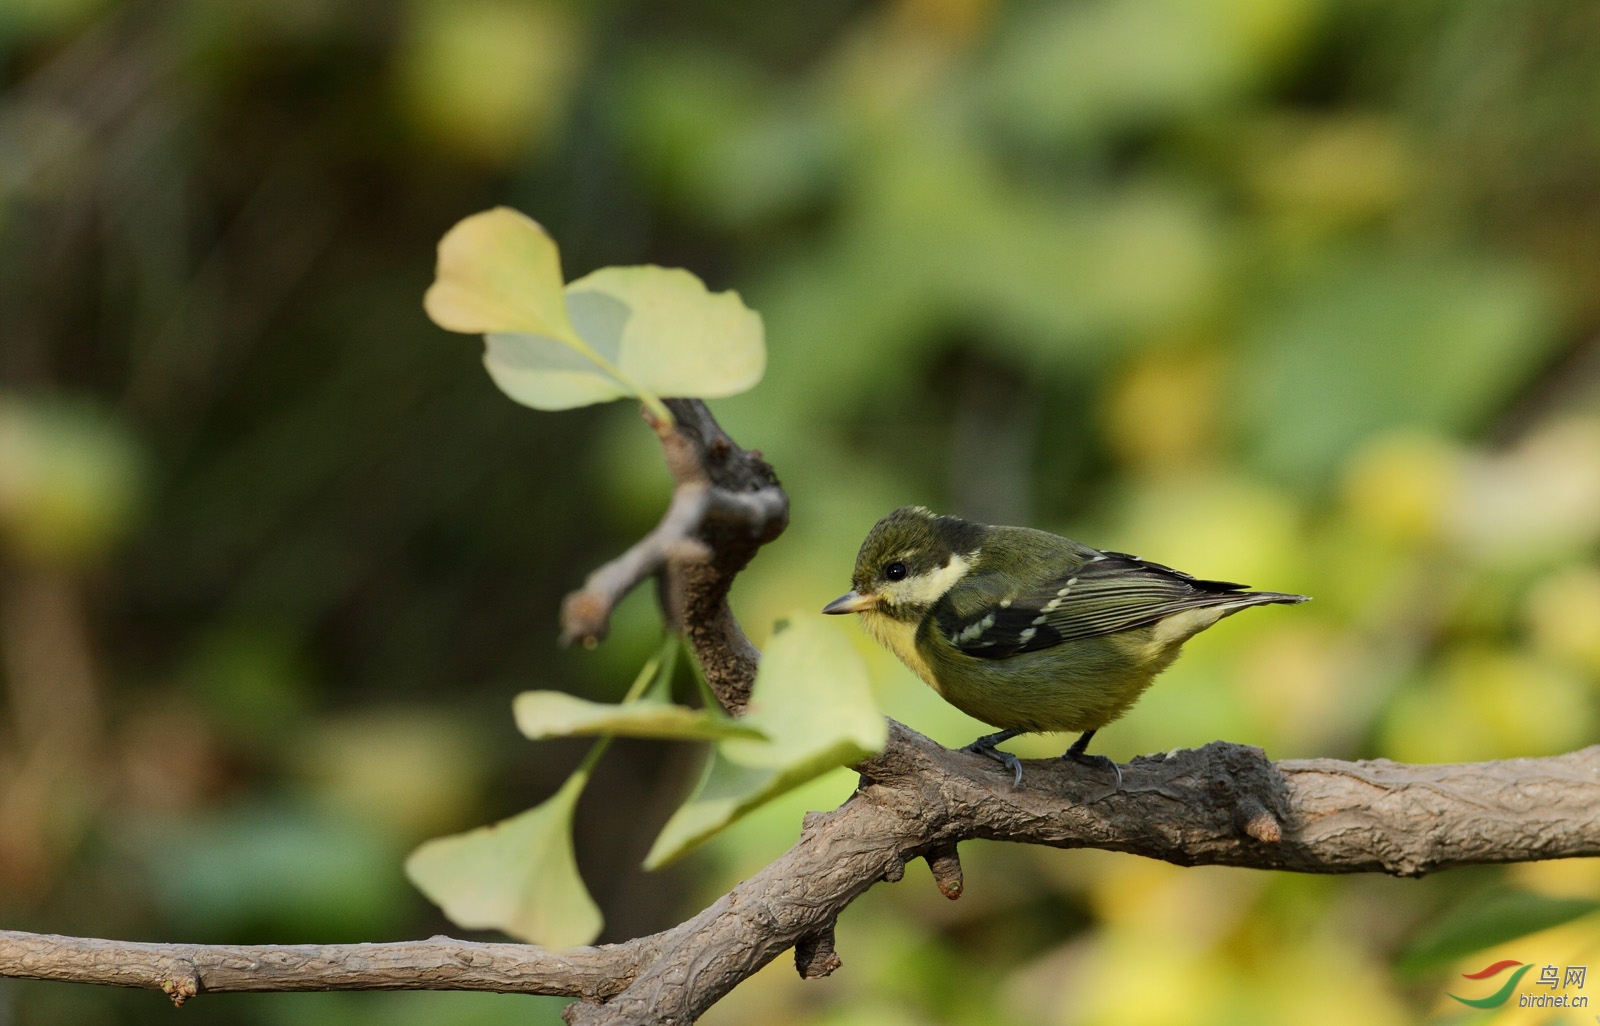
1027 630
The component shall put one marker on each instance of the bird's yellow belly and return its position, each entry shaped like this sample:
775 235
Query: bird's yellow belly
1075 686
900 638
1047 699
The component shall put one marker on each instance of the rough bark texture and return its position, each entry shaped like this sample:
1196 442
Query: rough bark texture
440 963
917 799
727 504
1220 805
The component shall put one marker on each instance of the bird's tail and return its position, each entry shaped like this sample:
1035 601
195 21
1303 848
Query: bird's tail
1245 599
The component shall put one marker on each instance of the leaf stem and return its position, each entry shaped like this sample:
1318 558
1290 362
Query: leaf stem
654 404
649 675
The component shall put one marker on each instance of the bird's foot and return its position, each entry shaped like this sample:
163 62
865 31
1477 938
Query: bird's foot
986 746
1096 761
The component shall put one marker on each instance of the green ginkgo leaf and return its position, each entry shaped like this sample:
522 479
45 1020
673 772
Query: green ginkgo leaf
813 701
621 331
682 339
519 875
544 714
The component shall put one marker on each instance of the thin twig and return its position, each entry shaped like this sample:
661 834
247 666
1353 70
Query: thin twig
440 963
586 613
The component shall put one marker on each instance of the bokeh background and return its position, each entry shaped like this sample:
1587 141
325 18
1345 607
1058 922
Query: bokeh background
1303 293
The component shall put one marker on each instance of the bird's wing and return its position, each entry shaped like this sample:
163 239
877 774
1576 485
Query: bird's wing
1110 592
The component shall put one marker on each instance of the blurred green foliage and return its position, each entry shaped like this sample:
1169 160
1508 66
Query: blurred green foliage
1298 293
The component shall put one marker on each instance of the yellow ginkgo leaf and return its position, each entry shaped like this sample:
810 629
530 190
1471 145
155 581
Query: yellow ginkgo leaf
499 271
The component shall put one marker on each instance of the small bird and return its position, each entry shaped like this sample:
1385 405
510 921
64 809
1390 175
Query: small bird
1027 630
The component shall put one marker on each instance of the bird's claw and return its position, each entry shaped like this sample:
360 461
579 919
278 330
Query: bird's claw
1096 761
1006 759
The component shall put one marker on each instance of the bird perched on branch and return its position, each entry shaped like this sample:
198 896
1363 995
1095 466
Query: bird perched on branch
1027 630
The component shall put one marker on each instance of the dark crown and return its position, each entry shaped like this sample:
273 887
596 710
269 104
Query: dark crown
922 538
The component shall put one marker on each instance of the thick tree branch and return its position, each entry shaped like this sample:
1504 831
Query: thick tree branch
918 800
1206 806
1221 805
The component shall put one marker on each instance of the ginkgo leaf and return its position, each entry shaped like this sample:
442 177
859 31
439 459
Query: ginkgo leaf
519 875
499 271
640 331
547 374
542 714
813 701
682 339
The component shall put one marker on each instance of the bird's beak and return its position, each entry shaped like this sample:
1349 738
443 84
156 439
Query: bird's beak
851 603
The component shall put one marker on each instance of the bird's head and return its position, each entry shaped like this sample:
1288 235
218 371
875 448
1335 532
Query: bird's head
910 559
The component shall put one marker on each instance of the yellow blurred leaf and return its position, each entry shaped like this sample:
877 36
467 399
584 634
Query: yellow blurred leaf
69 479
1331 169
415 771
488 78
1162 412
1559 878
1563 615
1486 703
1308 685
1214 524
1403 485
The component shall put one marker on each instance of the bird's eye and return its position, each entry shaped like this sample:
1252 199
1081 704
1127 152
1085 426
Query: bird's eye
895 571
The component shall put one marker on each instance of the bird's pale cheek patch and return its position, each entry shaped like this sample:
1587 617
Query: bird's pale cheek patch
928 588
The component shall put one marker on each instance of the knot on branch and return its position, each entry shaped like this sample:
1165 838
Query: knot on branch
183 984
945 864
814 956
1238 779
1260 795
1253 818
